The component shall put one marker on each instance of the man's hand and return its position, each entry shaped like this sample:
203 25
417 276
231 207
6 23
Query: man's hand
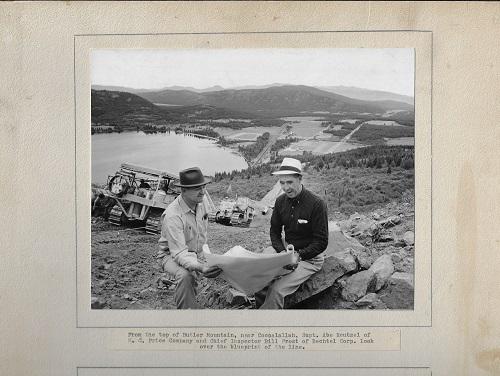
295 262
210 271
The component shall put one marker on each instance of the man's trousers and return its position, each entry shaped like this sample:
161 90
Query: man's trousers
185 288
287 284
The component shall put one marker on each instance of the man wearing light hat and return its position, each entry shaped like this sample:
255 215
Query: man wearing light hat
183 233
304 218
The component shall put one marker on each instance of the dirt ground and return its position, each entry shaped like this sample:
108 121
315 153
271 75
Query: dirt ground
125 274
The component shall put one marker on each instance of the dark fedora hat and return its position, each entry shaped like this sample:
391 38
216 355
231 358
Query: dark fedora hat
191 177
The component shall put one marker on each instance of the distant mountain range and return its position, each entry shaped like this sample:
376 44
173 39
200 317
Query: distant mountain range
368 95
347 91
135 91
274 101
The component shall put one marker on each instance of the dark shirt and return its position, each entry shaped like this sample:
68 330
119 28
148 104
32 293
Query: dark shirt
305 220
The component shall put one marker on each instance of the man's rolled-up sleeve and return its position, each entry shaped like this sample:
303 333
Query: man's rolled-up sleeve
319 224
173 232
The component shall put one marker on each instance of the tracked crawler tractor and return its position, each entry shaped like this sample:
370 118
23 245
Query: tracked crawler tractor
230 212
140 195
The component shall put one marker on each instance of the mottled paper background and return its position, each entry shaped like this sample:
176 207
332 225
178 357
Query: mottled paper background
37 133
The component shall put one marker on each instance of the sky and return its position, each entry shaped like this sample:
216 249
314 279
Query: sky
387 69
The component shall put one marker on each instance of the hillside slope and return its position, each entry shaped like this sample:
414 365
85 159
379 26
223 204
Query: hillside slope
110 106
122 108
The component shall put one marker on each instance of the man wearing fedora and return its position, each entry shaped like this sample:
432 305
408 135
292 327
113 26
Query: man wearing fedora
304 218
183 233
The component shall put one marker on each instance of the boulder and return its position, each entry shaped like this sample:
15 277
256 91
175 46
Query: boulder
333 268
339 261
409 238
364 259
346 260
399 293
390 222
235 297
358 285
367 300
360 227
382 268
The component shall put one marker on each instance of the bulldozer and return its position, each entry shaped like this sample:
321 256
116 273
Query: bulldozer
140 195
233 212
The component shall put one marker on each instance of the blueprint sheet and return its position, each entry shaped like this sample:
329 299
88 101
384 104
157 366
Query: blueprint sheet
247 271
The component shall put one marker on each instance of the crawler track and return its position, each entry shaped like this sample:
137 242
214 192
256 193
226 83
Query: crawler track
117 217
237 221
153 225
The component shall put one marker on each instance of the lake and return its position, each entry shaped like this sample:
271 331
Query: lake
165 151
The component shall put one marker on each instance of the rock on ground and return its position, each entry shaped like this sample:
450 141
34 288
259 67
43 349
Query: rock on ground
345 260
339 261
235 297
364 258
357 285
335 266
391 221
361 227
367 300
399 293
383 269
409 238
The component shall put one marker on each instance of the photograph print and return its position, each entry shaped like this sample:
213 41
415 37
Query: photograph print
253 179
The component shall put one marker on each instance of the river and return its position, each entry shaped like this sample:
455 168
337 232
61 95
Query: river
165 151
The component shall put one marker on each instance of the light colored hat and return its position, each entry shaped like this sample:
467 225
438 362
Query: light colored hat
289 166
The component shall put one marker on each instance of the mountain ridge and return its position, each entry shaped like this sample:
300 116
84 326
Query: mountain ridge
348 91
271 102
287 98
368 94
